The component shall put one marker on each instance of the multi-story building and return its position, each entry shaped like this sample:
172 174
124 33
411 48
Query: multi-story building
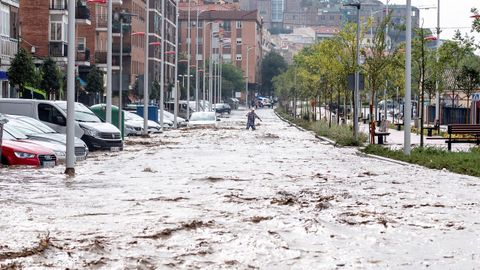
240 32
264 8
8 41
277 13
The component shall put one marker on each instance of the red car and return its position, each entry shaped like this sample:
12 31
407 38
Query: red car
24 153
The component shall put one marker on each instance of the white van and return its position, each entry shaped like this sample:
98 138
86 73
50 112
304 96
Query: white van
95 133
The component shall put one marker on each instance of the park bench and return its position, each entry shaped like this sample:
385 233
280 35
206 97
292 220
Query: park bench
471 134
380 135
431 128
399 126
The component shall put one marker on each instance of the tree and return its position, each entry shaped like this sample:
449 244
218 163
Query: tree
22 70
94 81
469 76
272 65
51 78
451 55
155 90
232 79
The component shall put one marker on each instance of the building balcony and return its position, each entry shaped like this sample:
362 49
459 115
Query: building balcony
82 15
8 48
101 59
83 58
58 49
54 5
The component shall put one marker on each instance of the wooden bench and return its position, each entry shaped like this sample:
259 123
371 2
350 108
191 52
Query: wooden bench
431 128
380 136
471 131
399 126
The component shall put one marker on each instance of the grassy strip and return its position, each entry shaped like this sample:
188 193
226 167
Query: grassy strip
341 134
434 158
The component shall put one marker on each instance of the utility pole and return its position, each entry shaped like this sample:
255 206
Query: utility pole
162 68
177 83
120 89
70 162
437 46
145 79
108 113
408 82
189 57
197 80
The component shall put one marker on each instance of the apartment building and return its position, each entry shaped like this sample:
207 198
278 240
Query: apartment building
8 41
239 31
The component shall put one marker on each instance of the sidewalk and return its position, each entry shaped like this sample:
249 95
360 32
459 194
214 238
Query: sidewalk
396 138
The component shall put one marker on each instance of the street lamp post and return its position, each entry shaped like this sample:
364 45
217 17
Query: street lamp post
408 83
175 105
437 46
356 93
108 113
70 158
162 68
247 76
145 79
189 56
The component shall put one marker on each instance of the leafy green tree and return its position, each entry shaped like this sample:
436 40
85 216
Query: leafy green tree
452 53
155 91
232 79
22 70
272 65
94 81
469 76
51 79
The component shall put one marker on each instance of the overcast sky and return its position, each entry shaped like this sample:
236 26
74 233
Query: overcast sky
454 14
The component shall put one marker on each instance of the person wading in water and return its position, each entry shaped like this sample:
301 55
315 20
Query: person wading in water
251 119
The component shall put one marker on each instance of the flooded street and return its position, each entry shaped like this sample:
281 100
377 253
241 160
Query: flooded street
275 198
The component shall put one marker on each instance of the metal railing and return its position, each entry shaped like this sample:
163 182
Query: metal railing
57 49
82 13
8 47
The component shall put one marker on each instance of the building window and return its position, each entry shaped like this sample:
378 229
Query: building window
200 24
81 44
200 40
199 57
226 25
239 41
56 31
239 57
239 24
4 20
227 58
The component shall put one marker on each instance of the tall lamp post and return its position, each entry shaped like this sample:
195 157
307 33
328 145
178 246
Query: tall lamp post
70 158
247 77
189 56
408 82
121 17
437 46
145 79
356 94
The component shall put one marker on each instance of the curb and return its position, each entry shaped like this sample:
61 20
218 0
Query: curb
358 152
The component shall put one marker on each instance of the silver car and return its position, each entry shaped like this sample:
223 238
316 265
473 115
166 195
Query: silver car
38 131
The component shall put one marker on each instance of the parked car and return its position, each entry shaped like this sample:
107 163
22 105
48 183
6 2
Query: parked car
95 133
59 150
170 118
23 153
38 131
233 102
182 108
222 108
265 102
134 124
203 120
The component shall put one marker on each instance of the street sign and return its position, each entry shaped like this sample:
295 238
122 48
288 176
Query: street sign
238 94
351 82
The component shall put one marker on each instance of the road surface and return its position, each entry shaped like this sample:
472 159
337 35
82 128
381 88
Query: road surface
274 198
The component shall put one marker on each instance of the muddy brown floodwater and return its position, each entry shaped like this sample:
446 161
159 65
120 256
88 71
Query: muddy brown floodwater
275 198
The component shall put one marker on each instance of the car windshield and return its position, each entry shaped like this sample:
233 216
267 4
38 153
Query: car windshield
37 124
82 113
203 116
14 132
133 116
23 127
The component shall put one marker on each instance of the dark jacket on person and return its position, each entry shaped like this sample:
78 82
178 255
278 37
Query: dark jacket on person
251 118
